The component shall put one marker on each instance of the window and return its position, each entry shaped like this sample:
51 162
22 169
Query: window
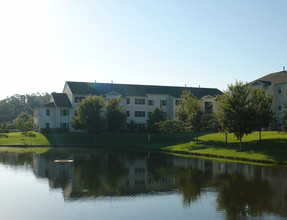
139 113
279 106
139 170
139 126
208 107
128 113
128 101
279 89
150 102
165 113
178 102
64 125
163 102
47 112
78 99
47 125
75 113
149 114
64 112
140 101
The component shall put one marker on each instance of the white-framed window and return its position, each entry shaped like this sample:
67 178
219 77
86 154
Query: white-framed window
150 102
139 126
47 112
64 125
165 113
139 113
47 125
140 101
64 112
128 101
128 113
163 102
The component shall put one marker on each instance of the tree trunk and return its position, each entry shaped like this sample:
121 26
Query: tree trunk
225 138
260 135
240 144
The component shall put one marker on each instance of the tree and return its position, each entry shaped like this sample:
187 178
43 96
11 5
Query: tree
24 122
234 110
168 126
12 106
90 115
156 116
190 114
115 117
261 107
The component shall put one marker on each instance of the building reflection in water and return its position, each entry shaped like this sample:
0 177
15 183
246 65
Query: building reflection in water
242 189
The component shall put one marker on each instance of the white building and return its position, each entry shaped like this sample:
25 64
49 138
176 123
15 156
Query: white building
276 85
138 101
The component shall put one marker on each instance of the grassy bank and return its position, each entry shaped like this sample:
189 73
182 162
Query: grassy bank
272 148
16 139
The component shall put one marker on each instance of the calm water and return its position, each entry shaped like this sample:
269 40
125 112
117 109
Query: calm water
115 185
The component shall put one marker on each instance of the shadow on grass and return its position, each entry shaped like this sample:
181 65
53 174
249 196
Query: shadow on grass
273 148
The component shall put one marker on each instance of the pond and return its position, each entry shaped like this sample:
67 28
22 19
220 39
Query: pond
101 184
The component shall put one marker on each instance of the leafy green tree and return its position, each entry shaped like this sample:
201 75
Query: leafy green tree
156 116
190 114
168 126
90 115
12 106
261 108
235 110
24 122
115 116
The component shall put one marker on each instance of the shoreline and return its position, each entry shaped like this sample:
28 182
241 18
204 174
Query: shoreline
272 150
144 148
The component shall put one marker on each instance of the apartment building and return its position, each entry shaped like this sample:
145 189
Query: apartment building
138 102
276 85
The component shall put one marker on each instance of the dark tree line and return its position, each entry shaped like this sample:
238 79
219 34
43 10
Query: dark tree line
12 107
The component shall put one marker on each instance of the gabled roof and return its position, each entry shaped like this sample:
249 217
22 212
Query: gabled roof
61 100
274 78
85 88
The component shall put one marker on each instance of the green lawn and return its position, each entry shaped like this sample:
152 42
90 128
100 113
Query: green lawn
15 139
272 148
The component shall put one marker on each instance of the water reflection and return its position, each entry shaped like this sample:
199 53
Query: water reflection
242 190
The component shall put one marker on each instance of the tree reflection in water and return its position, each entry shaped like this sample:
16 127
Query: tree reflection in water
239 196
242 190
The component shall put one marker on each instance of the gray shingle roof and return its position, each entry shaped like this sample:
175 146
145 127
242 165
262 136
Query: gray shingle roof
84 88
61 100
274 78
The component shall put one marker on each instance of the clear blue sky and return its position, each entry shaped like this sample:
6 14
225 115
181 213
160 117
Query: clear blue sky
158 42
